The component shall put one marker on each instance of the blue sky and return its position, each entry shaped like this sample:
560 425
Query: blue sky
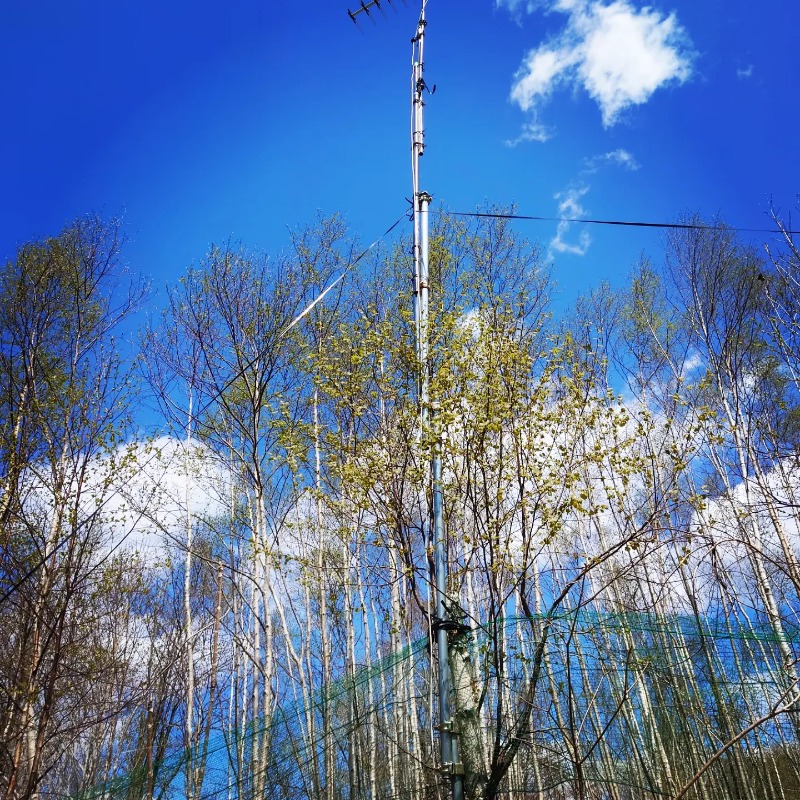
202 121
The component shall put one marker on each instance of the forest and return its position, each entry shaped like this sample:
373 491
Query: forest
216 557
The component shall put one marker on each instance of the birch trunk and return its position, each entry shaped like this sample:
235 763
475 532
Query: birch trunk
190 787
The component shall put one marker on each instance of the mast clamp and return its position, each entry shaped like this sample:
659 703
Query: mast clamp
439 624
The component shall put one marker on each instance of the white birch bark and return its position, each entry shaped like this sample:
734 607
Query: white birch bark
190 787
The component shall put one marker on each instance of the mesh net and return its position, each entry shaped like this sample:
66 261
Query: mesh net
632 700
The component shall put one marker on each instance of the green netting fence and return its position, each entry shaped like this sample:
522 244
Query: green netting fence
626 706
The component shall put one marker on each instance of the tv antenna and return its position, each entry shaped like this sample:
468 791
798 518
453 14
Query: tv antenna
364 8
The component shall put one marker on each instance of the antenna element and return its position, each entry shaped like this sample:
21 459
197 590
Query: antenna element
365 7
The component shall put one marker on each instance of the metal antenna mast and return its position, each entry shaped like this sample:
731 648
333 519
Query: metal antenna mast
448 741
442 623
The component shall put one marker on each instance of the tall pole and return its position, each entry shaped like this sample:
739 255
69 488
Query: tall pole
448 742
448 738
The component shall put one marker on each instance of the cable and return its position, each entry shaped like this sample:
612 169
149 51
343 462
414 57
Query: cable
33 570
686 226
300 316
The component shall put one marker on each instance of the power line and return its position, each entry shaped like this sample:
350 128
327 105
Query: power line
617 222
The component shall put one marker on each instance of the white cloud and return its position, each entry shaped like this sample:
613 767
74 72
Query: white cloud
570 207
692 362
133 499
517 7
531 132
570 204
617 158
618 54
745 73
540 74
152 499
